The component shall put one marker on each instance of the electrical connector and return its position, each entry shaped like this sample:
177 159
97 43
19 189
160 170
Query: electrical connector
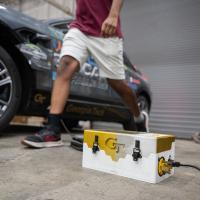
136 151
173 163
178 164
164 167
95 147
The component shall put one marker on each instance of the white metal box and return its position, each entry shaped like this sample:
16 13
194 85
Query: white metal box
140 156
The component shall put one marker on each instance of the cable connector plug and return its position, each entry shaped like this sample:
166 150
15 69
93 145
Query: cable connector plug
173 163
178 164
95 147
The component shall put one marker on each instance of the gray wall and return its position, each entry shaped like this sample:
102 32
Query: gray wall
163 39
43 10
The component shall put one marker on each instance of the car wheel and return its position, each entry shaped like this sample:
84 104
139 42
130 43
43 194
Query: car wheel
144 106
10 88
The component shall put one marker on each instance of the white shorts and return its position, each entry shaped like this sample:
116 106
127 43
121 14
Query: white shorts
107 52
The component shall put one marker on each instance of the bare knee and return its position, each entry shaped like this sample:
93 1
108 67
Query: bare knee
68 66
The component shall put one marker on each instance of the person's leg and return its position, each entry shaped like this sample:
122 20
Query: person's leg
127 95
108 53
49 136
73 55
61 85
61 89
130 99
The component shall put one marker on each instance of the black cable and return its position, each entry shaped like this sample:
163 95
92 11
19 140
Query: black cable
178 164
195 167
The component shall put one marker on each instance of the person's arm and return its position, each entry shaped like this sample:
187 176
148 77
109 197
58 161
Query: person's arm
110 24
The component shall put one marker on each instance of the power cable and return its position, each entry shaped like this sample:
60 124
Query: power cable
178 164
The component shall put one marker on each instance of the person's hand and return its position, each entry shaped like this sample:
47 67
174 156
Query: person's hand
109 27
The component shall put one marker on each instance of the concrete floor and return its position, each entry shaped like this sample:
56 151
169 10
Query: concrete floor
56 174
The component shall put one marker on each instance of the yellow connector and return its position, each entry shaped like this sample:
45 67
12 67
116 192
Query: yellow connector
163 167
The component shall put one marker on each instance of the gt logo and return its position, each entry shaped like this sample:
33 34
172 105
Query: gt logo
112 144
39 98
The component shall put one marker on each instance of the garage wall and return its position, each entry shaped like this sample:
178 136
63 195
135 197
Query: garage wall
42 10
163 40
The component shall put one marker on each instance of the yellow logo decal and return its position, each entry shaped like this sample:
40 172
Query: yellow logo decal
39 98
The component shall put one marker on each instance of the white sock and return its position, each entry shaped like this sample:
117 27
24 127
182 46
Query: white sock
139 119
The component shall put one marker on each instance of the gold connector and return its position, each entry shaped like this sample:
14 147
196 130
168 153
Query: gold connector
163 167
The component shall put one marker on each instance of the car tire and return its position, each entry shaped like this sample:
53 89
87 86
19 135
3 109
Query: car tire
10 88
143 104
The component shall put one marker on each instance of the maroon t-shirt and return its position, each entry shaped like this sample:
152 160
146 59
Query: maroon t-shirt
90 15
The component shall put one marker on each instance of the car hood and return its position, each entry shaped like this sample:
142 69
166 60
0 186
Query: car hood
16 20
